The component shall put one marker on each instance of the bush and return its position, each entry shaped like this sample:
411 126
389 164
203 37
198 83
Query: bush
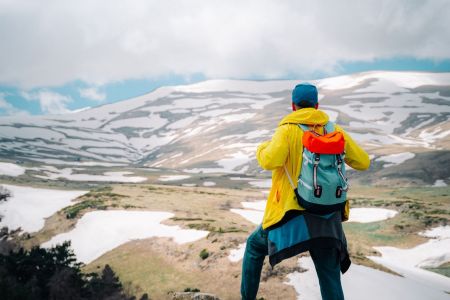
204 254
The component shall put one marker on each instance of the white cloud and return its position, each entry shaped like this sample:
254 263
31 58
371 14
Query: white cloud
92 94
50 102
48 42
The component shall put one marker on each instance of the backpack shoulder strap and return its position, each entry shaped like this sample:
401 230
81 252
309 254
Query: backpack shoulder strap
329 127
303 127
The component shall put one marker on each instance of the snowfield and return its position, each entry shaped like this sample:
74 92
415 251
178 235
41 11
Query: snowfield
367 215
98 232
10 169
360 282
395 159
409 262
254 212
173 177
53 173
29 207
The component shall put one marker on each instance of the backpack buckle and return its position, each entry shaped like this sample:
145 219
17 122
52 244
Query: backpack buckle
318 191
339 192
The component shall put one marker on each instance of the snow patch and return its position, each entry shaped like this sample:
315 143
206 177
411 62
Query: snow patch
395 159
67 173
10 169
253 216
173 177
209 183
264 184
409 262
117 227
29 207
439 183
367 215
237 254
361 282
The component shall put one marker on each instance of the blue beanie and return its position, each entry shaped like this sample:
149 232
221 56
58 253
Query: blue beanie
304 94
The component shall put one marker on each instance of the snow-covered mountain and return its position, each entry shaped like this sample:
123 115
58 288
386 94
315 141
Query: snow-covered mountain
215 126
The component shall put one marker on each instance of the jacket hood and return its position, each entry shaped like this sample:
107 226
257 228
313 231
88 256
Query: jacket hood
308 116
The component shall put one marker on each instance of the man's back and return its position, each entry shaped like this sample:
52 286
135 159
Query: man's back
286 149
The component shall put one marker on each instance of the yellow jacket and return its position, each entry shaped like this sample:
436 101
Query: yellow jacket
286 148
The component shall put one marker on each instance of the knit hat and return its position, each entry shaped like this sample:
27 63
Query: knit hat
304 94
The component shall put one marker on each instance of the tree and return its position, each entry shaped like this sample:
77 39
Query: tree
54 273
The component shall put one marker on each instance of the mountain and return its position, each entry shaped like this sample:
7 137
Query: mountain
401 118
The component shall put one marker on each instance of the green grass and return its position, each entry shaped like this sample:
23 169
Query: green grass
442 269
98 199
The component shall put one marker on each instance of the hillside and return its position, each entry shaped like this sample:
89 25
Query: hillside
215 126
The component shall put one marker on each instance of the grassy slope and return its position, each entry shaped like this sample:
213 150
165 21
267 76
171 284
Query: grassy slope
158 265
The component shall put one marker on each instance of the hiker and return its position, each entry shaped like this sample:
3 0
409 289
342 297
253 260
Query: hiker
288 228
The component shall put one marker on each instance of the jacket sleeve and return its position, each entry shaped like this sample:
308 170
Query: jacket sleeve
272 154
355 156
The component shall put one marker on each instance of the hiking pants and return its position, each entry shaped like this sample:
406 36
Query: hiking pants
326 262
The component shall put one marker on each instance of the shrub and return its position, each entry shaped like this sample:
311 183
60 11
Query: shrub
204 254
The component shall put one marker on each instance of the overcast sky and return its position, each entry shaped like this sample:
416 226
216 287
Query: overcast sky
60 55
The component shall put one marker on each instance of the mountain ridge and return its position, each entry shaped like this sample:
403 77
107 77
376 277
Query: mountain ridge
215 125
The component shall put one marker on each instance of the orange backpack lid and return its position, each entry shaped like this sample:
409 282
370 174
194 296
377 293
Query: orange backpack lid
330 143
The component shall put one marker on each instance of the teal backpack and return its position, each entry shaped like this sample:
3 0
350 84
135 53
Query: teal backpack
322 185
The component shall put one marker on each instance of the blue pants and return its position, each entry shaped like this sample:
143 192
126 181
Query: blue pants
326 262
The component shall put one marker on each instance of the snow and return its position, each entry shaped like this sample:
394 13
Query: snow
10 169
229 164
435 134
173 177
339 82
264 184
409 262
29 207
256 205
182 123
254 216
361 282
242 178
254 212
367 215
209 183
79 163
332 115
67 173
153 121
117 227
245 86
216 112
395 159
439 183
237 117
237 254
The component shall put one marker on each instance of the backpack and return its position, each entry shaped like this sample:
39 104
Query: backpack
322 186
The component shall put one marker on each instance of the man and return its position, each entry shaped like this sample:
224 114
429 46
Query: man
282 155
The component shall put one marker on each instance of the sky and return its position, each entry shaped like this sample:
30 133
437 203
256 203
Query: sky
58 56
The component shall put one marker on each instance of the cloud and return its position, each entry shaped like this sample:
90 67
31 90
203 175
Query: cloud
92 94
8 109
50 102
50 43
